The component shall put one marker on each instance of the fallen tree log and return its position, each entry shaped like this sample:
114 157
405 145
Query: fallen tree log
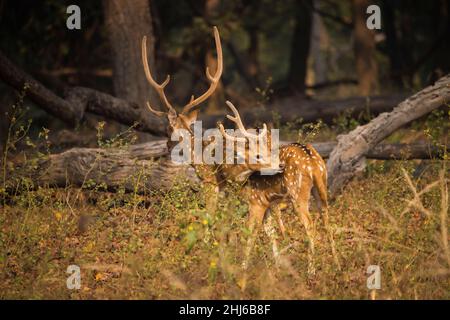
76 101
348 158
143 167
108 169
387 151
391 151
38 93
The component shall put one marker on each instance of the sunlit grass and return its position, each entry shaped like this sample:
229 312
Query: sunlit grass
167 246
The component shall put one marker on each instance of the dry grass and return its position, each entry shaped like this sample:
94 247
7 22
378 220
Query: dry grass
165 246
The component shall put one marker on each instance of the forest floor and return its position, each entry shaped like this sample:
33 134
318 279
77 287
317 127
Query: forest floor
166 246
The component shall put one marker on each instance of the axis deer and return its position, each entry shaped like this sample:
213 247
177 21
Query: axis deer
303 166
212 176
304 171
188 115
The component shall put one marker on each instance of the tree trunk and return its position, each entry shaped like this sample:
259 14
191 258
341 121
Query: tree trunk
348 158
126 23
364 47
395 65
319 41
46 99
247 63
78 100
217 98
300 45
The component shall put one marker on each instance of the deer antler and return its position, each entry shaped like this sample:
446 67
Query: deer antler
213 79
158 87
194 101
228 136
237 120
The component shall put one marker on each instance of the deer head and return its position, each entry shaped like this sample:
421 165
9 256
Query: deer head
256 155
188 115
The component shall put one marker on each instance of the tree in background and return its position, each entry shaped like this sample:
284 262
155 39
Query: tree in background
364 48
211 12
300 45
262 39
319 44
126 23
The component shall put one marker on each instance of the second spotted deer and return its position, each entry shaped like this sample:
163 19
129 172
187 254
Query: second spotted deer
303 172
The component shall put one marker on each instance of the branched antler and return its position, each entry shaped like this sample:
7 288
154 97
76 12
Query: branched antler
237 120
158 87
213 79
193 101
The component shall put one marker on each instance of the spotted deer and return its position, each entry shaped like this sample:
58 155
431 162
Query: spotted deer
303 166
303 172
212 176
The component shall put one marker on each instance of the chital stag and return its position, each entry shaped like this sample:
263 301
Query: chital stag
188 115
303 171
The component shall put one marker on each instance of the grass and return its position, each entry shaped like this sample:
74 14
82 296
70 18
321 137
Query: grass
165 246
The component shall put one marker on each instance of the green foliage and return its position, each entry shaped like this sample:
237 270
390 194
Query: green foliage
120 140
437 127
345 122
265 93
309 131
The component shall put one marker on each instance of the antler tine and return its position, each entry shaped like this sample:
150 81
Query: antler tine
213 79
237 120
228 136
156 112
158 87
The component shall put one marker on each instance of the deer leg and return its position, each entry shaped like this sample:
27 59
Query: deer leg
316 196
269 228
320 194
212 193
301 207
276 209
256 217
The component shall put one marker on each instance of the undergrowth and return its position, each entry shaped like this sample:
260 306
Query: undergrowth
165 245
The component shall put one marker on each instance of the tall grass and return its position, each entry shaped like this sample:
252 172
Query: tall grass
165 245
